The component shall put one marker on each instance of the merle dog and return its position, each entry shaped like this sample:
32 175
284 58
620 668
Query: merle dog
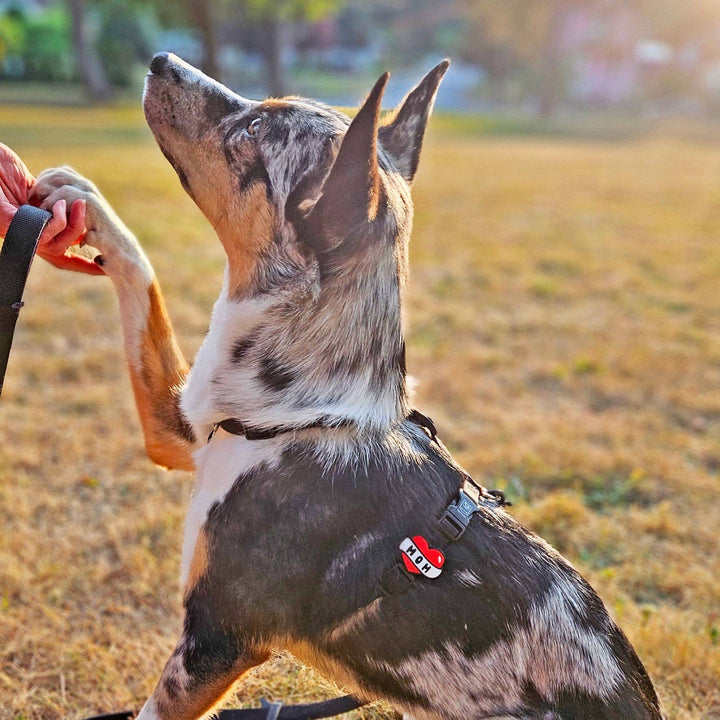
324 509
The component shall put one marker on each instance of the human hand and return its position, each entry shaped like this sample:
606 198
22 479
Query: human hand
121 254
62 230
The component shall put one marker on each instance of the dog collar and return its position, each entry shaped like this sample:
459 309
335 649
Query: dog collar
234 426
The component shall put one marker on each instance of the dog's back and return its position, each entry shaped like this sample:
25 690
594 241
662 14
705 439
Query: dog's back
507 629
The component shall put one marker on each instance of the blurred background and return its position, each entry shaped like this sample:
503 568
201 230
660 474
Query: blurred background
538 57
563 310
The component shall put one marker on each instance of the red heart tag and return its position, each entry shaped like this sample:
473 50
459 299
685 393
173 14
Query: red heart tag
419 558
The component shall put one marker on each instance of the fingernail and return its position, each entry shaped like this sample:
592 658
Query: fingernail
99 260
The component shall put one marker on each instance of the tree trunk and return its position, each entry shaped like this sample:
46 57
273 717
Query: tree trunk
551 80
204 19
87 60
272 54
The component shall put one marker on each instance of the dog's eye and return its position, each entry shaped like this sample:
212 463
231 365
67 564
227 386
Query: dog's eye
252 129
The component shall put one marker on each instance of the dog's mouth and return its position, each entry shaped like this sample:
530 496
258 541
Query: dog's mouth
173 101
183 98
159 98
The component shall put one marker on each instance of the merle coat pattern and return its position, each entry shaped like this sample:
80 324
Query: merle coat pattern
287 537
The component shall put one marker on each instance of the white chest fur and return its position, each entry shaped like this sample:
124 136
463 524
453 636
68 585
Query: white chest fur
230 321
218 465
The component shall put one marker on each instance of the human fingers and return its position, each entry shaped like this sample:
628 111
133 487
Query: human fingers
15 179
75 263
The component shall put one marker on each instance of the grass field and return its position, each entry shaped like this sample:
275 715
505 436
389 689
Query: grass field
564 327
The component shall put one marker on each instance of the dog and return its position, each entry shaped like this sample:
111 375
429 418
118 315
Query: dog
327 518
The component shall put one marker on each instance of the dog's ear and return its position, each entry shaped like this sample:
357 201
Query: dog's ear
350 194
402 132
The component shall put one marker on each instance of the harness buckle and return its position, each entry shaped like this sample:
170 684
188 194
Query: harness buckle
457 516
273 708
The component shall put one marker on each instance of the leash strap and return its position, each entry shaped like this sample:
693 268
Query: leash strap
278 711
16 256
271 711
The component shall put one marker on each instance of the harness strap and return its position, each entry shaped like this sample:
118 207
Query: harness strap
271 711
235 426
452 525
278 711
16 256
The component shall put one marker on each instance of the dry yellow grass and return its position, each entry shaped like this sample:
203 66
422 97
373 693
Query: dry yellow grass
564 328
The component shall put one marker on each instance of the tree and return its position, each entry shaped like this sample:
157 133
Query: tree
86 58
273 17
202 13
517 34
271 20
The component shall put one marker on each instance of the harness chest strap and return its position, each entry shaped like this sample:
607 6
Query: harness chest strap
453 523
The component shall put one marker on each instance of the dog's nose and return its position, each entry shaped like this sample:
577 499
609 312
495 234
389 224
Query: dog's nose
159 63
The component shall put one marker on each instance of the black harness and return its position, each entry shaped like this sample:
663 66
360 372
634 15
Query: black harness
452 524
395 580
234 426
270 711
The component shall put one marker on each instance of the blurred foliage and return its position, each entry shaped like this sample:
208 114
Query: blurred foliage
517 45
125 38
46 46
12 35
38 44
288 10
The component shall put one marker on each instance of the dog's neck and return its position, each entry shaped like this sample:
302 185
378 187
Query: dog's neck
315 351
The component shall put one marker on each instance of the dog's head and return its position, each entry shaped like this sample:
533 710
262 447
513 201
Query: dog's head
293 174
314 212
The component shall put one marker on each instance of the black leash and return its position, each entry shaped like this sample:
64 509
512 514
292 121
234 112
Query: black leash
277 711
16 257
271 711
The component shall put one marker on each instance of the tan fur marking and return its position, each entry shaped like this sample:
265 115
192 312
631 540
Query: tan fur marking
193 703
271 103
245 242
328 666
355 620
199 562
155 384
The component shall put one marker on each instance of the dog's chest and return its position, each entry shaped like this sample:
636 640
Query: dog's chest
218 466
230 322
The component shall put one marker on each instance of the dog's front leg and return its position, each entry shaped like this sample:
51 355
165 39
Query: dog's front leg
157 367
204 666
